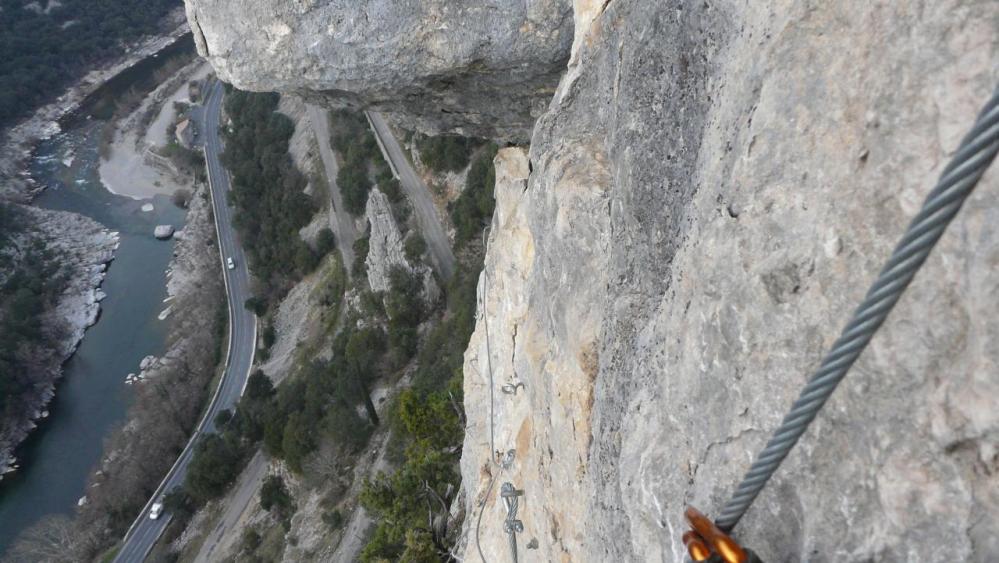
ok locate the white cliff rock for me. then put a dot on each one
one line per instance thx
(147, 362)
(385, 250)
(163, 232)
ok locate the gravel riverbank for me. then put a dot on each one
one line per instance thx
(19, 141)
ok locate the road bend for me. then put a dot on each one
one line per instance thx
(145, 532)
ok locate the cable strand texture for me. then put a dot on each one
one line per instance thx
(976, 152)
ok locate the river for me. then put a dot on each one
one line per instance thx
(92, 398)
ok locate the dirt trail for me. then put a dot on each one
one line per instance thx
(221, 539)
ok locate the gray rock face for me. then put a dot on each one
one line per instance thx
(707, 197)
(482, 67)
(710, 193)
(386, 250)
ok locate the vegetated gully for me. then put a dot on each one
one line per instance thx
(92, 398)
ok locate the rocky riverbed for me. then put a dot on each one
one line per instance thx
(19, 142)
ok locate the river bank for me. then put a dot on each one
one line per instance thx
(84, 257)
(19, 142)
(87, 226)
(85, 253)
(133, 164)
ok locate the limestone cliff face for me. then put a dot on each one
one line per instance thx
(387, 251)
(485, 68)
(706, 198)
(711, 191)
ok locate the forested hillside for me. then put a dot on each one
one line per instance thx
(47, 44)
(267, 191)
(30, 281)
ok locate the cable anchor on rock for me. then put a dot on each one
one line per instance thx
(512, 526)
(511, 388)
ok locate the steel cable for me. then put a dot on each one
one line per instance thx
(489, 369)
(976, 152)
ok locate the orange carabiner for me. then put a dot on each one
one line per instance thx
(695, 546)
(711, 538)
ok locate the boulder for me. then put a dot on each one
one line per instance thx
(163, 232)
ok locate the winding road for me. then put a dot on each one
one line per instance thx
(144, 533)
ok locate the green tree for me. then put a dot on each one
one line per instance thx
(342, 424)
(251, 540)
(41, 54)
(333, 519)
(356, 144)
(305, 260)
(32, 280)
(432, 418)
(391, 187)
(214, 466)
(446, 153)
(475, 205)
(404, 306)
(256, 305)
(274, 422)
(325, 242)
(297, 441)
(222, 418)
(269, 335)
(419, 548)
(404, 301)
(362, 350)
(274, 496)
(415, 247)
(179, 503)
(398, 501)
(271, 206)
(354, 186)
(361, 246)
(259, 386)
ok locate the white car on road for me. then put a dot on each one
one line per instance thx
(229, 263)
(156, 510)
